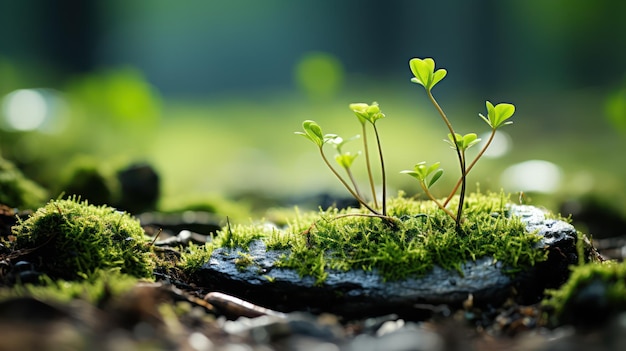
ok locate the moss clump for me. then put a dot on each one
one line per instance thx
(71, 240)
(96, 288)
(92, 181)
(423, 236)
(194, 257)
(593, 292)
(18, 191)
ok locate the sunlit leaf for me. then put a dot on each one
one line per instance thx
(435, 177)
(411, 173)
(470, 140)
(345, 160)
(456, 141)
(497, 115)
(502, 113)
(366, 112)
(438, 76)
(424, 72)
(421, 71)
(432, 168)
(313, 132)
(360, 110)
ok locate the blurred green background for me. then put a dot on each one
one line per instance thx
(210, 92)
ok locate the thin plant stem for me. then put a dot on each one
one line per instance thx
(458, 153)
(459, 210)
(353, 181)
(439, 204)
(469, 168)
(345, 184)
(382, 168)
(369, 166)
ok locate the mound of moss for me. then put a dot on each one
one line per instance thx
(593, 293)
(72, 240)
(17, 190)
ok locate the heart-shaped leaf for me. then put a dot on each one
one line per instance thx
(497, 115)
(424, 72)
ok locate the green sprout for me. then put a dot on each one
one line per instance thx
(427, 175)
(371, 113)
(313, 132)
(425, 75)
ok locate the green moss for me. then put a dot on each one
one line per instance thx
(194, 257)
(243, 261)
(424, 237)
(18, 191)
(612, 275)
(239, 235)
(91, 180)
(71, 240)
(94, 289)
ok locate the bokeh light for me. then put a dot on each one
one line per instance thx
(500, 145)
(33, 109)
(319, 75)
(532, 176)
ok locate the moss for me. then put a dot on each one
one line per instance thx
(243, 261)
(91, 180)
(94, 289)
(568, 303)
(71, 240)
(194, 257)
(239, 235)
(18, 191)
(425, 236)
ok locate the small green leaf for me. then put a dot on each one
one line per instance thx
(456, 141)
(333, 139)
(439, 75)
(463, 142)
(313, 132)
(435, 178)
(503, 112)
(338, 142)
(432, 168)
(360, 110)
(470, 140)
(497, 115)
(345, 160)
(424, 72)
(366, 112)
(411, 173)
(421, 172)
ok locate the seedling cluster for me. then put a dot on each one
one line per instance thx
(426, 174)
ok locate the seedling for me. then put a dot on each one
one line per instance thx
(425, 75)
(313, 132)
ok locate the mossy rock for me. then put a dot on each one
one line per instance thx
(350, 264)
(594, 293)
(18, 191)
(72, 240)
